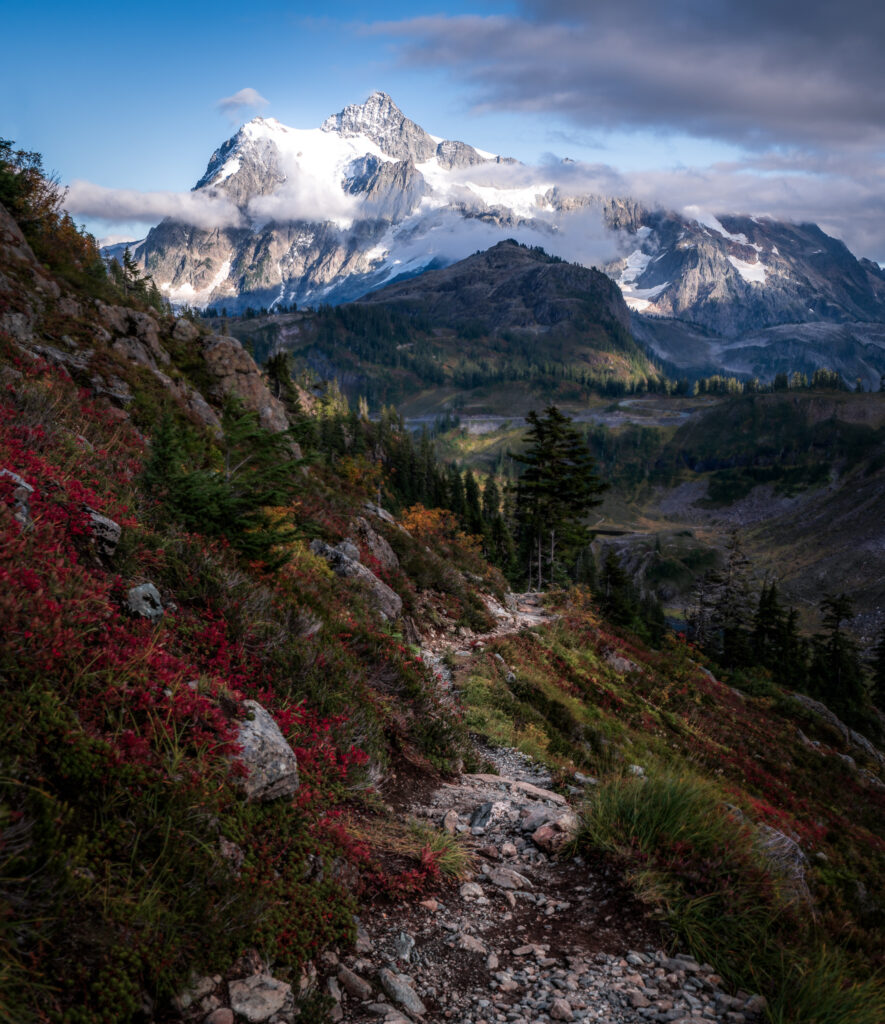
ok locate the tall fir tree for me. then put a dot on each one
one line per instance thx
(836, 672)
(558, 487)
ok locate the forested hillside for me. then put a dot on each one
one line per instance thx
(510, 321)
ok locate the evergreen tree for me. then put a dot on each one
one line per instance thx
(616, 598)
(775, 641)
(699, 616)
(257, 473)
(491, 501)
(585, 568)
(473, 507)
(835, 673)
(456, 499)
(732, 609)
(557, 488)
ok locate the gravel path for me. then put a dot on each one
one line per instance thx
(531, 936)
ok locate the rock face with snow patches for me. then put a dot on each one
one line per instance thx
(736, 274)
(331, 213)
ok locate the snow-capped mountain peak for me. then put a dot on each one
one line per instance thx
(381, 120)
(329, 213)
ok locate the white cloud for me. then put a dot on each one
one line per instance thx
(116, 239)
(844, 200)
(245, 99)
(200, 209)
(799, 87)
(306, 194)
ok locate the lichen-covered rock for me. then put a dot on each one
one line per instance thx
(105, 532)
(855, 740)
(197, 988)
(185, 330)
(347, 547)
(400, 991)
(387, 601)
(353, 984)
(144, 600)
(135, 335)
(381, 513)
(270, 761)
(24, 284)
(786, 856)
(21, 497)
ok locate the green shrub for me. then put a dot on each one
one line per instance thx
(699, 862)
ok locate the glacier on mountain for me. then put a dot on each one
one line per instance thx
(327, 214)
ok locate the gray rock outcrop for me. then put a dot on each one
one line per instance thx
(144, 600)
(388, 603)
(376, 545)
(271, 762)
(234, 373)
(391, 190)
(852, 739)
(457, 154)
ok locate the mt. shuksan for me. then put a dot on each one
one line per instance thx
(328, 214)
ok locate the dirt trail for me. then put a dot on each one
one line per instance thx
(531, 936)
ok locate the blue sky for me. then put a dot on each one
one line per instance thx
(760, 107)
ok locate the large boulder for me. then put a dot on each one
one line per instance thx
(388, 603)
(375, 544)
(270, 761)
(234, 373)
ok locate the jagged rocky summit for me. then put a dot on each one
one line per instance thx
(331, 213)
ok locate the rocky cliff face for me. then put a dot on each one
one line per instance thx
(737, 274)
(381, 120)
(112, 350)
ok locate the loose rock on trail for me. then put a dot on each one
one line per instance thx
(531, 936)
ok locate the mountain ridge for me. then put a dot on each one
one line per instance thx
(327, 215)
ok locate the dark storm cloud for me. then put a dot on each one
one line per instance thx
(756, 73)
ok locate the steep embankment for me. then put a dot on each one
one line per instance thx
(196, 681)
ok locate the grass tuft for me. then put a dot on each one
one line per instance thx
(688, 854)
